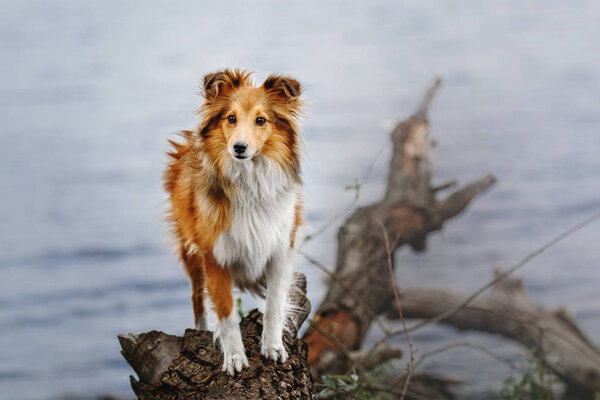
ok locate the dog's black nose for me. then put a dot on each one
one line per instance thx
(240, 146)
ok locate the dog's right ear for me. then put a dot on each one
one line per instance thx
(224, 81)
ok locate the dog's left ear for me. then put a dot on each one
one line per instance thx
(224, 81)
(283, 87)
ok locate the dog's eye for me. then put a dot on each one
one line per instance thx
(231, 119)
(260, 121)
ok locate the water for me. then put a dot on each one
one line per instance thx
(91, 90)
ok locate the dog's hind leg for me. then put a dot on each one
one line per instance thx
(195, 269)
(279, 279)
(228, 333)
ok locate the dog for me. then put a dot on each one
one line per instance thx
(235, 200)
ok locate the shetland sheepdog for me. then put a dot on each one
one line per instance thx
(235, 203)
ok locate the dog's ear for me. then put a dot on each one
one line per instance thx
(283, 87)
(224, 81)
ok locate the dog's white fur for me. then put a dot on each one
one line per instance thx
(257, 247)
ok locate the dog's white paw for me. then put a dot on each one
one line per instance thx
(234, 362)
(230, 339)
(274, 351)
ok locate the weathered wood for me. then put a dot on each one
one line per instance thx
(507, 310)
(189, 367)
(409, 211)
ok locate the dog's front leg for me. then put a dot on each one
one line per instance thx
(279, 277)
(218, 283)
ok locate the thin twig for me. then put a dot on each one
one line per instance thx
(444, 186)
(331, 337)
(392, 390)
(330, 222)
(399, 307)
(547, 330)
(354, 202)
(584, 351)
(450, 312)
(474, 346)
(359, 300)
(335, 390)
(503, 275)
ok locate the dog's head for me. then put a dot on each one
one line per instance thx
(241, 121)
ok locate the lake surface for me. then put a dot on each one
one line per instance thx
(92, 90)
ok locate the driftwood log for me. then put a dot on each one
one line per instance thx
(407, 213)
(507, 310)
(189, 367)
(362, 286)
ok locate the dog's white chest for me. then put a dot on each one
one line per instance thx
(259, 228)
(257, 231)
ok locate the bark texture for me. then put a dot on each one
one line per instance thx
(189, 367)
(409, 211)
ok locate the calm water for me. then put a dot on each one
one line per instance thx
(91, 90)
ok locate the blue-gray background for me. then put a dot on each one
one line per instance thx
(91, 90)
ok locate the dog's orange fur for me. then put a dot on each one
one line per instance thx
(199, 190)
